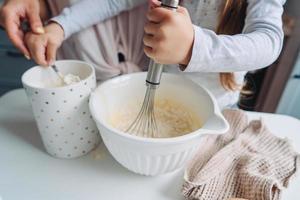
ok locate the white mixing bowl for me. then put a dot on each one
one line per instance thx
(153, 156)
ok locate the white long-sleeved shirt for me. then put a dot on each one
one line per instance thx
(258, 46)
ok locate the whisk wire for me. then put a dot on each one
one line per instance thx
(145, 123)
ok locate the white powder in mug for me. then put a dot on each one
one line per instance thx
(173, 118)
(70, 79)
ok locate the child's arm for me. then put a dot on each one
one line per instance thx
(79, 16)
(43, 47)
(86, 13)
(258, 46)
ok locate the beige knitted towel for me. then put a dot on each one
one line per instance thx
(247, 162)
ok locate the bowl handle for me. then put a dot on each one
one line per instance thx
(216, 124)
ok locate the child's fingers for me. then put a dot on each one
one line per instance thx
(158, 14)
(38, 51)
(51, 53)
(154, 3)
(182, 10)
(149, 41)
(151, 28)
(150, 52)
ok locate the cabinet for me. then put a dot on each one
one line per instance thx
(12, 65)
(268, 85)
(290, 101)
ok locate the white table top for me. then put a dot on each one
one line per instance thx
(28, 173)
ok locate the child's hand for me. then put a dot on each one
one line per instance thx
(169, 36)
(43, 47)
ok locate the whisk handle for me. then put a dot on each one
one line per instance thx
(170, 4)
(155, 69)
(154, 74)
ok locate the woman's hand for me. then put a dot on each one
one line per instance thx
(169, 35)
(13, 12)
(43, 47)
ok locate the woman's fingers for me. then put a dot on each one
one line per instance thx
(11, 23)
(51, 53)
(35, 21)
(17, 38)
(12, 13)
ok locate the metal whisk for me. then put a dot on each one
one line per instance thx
(145, 124)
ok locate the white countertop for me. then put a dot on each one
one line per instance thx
(28, 173)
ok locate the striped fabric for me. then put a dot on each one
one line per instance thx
(102, 43)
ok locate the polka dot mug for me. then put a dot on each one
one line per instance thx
(62, 113)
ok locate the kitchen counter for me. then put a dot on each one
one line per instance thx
(27, 172)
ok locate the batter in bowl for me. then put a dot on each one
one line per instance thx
(173, 118)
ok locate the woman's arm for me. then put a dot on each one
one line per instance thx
(86, 13)
(258, 46)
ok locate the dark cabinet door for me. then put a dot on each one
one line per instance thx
(290, 100)
(12, 65)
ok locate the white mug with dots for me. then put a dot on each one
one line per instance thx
(62, 112)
